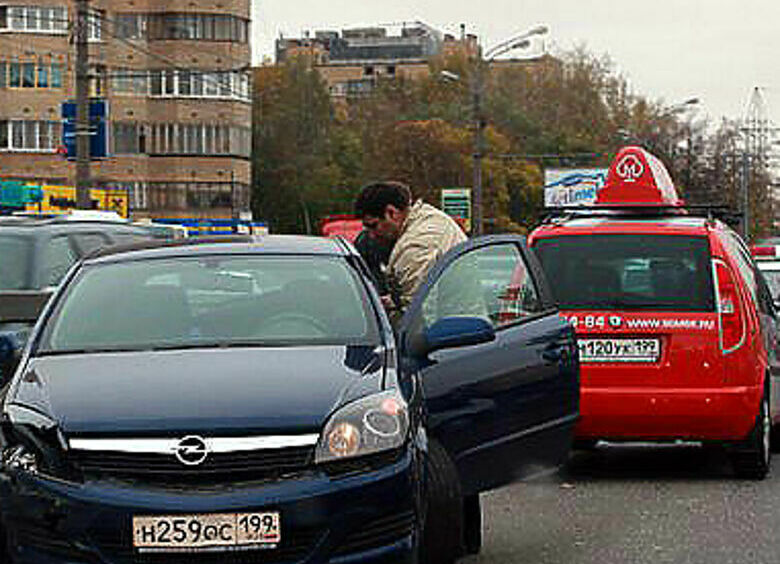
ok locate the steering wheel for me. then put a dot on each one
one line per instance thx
(291, 323)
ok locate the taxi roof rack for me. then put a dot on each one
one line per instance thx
(709, 211)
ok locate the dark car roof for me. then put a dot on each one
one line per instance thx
(223, 245)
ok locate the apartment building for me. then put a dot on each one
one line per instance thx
(176, 78)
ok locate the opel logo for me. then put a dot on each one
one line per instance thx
(630, 168)
(191, 450)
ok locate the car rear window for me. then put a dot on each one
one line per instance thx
(15, 264)
(652, 272)
(215, 301)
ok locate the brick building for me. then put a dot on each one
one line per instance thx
(175, 74)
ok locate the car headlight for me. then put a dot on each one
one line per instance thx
(370, 425)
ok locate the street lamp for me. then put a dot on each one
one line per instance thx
(520, 41)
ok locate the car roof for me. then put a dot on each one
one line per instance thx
(222, 245)
(581, 223)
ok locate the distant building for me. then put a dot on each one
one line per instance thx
(353, 60)
(175, 77)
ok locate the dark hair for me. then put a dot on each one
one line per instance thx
(375, 197)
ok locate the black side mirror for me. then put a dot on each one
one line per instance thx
(451, 332)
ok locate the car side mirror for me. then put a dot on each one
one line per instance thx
(451, 332)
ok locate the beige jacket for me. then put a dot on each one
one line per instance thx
(426, 235)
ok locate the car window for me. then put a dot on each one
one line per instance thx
(58, 257)
(15, 252)
(491, 282)
(744, 264)
(772, 278)
(213, 301)
(621, 271)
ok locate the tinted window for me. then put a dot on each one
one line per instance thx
(214, 301)
(15, 268)
(629, 272)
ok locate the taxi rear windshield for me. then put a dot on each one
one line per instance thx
(647, 272)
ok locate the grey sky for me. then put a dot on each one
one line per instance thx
(717, 50)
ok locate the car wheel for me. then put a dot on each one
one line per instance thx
(472, 524)
(752, 458)
(443, 526)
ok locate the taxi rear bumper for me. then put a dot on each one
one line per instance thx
(700, 414)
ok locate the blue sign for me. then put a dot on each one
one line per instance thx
(98, 129)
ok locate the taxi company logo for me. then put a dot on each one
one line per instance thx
(630, 168)
(191, 450)
(615, 321)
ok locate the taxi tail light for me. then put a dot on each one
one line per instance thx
(731, 315)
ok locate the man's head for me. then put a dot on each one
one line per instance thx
(383, 207)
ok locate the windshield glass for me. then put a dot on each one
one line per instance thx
(772, 278)
(629, 272)
(15, 262)
(212, 301)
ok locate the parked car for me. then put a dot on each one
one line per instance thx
(673, 321)
(251, 394)
(767, 257)
(36, 253)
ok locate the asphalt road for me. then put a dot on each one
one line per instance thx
(635, 505)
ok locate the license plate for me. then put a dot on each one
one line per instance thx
(619, 350)
(216, 531)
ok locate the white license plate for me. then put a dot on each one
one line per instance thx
(619, 350)
(216, 531)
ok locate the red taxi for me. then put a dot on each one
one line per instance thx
(670, 316)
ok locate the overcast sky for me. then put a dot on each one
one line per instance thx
(716, 50)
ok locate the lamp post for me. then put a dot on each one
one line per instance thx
(520, 41)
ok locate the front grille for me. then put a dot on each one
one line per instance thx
(296, 545)
(378, 533)
(250, 465)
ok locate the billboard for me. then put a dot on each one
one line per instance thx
(565, 187)
(58, 199)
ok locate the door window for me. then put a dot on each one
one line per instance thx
(59, 257)
(491, 282)
(89, 242)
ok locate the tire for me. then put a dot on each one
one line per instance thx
(752, 458)
(587, 445)
(443, 527)
(472, 524)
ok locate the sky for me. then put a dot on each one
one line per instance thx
(669, 50)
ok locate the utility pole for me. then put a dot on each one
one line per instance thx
(479, 126)
(82, 129)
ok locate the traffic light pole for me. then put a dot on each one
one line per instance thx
(82, 129)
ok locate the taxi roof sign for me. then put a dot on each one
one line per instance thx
(638, 178)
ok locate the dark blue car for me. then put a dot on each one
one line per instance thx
(248, 401)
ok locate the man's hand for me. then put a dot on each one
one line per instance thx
(387, 302)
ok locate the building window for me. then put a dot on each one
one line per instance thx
(199, 84)
(38, 72)
(34, 19)
(29, 135)
(131, 26)
(204, 27)
(95, 25)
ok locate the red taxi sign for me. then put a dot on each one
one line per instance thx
(638, 178)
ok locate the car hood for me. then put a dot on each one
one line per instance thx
(236, 391)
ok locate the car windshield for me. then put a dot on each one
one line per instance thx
(772, 278)
(15, 251)
(629, 272)
(216, 301)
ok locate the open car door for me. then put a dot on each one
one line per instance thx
(498, 365)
